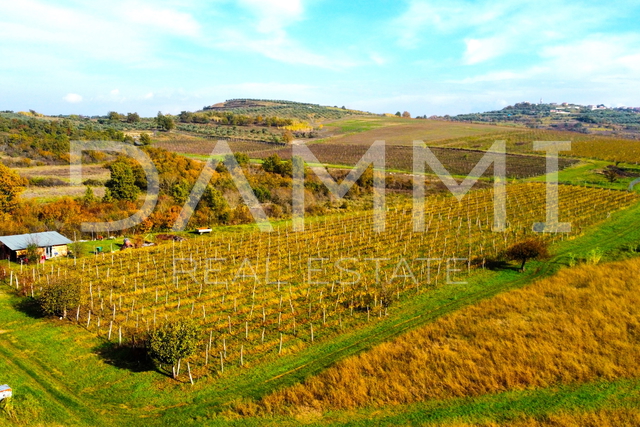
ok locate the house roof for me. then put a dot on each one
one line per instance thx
(21, 241)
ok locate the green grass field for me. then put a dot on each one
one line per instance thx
(589, 172)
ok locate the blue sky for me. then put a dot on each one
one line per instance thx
(427, 57)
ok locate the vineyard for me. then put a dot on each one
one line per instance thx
(456, 161)
(582, 145)
(231, 132)
(259, 296)
(201, 147)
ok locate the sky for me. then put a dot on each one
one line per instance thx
(423, 56)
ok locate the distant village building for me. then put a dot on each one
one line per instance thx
(51, 244)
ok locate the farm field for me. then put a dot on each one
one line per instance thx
(204, 147)
(256, 297)
(398, 131)
(302, 314)
(459, 146)
(43, 194)
(575, 327)
(52, 182)
(109, 385)
(400, 158)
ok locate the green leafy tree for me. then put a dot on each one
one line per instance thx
(275, 164)
(122, 185)
(89, 197)
(214, 199)
(145, 139)
(172, 342)
(272, 163)
(165, 123)
(186, 117)
(114, 116)
(58, 297)
(180, 192)
(32, 253)
(525, 250)
(399, 114)
(241, 158)
(133, 118)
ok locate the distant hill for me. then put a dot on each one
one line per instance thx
(587, 119)
(280, 108)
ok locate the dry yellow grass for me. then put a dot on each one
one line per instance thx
(580, 325)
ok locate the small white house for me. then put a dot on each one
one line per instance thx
(5, 392)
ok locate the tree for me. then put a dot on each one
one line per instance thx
(241, 158)
(114, 116)
(398, 114)
(172, 342)
(133, 117)
(180, 191)
(288, 137)
(611, 175)
(214, 200)
(145, 139)
(165, 123)
(89, 197)
(274, 164)
(32, 253)
(122, 185)
(366, 179)
(406, 115)
(525, 250)
(186, 117)
(11, 185)
(57, 297)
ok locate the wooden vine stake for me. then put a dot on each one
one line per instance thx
(189, 370)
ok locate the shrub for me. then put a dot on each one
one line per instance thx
(173, 342)
(528, 249)
(57, 297)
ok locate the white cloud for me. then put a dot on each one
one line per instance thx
(597, 57)
(274, 15)
(596, 69)
(72, 98)
(494, 29)
(179, 23)
(115, 92)
(283, 49)
(267, 35)
(112, 31)
(480, 50)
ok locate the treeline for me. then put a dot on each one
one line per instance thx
(47, 141)
(525, 111)
(220, 205)
(229, 118)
